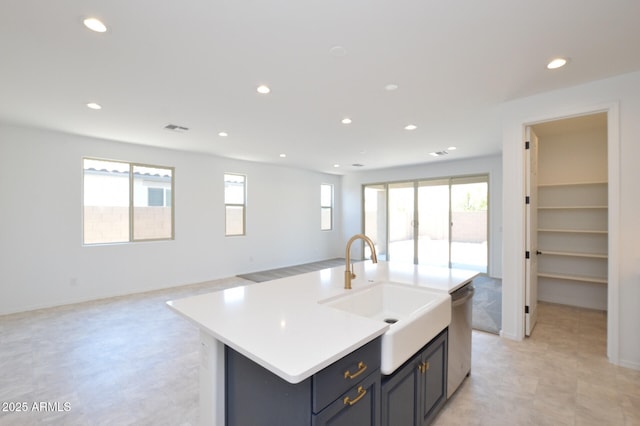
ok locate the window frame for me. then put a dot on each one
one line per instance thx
(131, 206)
(242, 205)
(324, 207)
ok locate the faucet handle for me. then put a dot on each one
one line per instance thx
(353, 274)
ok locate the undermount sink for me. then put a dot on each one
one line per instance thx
(416, 315)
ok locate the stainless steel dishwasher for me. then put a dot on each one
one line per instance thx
(460, 337)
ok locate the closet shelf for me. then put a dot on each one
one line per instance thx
(571, 277)
(571, 207)
(551, 185)
(572, 231)
(574, 254)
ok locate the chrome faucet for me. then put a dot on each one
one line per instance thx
(348, 273)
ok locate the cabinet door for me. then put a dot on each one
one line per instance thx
(357, 407)
(344, 374)
(399, 400)
(433, 383)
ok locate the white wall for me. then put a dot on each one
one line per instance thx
(573, 156)
(42, 259)
(352, 195)
(621, 97)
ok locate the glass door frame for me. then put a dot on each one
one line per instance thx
(451, 180)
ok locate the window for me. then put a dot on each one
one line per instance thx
(125, 202)
(326, 207)
(234, 204)
(152, 217)
(156, 196)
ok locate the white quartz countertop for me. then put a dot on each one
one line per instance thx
(281, 326)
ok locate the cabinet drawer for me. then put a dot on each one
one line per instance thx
(343, 374)
(359, 406)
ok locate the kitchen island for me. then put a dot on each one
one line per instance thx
(281, 326)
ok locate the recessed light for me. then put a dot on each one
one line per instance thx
(391, 87)
(410, 127)
(556, 63)
(451, 148)
(346, 120)
(94, 24)
(336, 166)
(283, 155)
(263, 89)
(94, 105)
(338, 51)
(223, 134)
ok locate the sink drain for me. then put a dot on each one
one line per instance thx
(390, 320)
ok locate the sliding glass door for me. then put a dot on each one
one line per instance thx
(439, 222)
(401, 223)
(433, 221)
(375, 219)
(469, 224)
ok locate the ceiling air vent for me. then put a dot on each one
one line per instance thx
(176, 128)
(438, 153)
(357, 165)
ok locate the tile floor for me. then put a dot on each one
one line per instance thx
(132, 361)
(558, 376)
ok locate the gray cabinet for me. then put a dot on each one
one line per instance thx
(349, 392)
(345, 393)
(357, 407)
(414, 394)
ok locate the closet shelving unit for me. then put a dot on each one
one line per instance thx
(572, 231)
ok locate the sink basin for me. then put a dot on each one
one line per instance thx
(415, 314)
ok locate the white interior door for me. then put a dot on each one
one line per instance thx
(531, 208)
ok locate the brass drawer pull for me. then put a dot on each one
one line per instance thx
(423, 367)
(361, 393)
(361, 367)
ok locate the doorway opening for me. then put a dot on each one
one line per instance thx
(567, 214)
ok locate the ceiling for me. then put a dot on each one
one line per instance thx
(197, 64)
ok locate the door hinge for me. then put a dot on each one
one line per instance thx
(527, 254)
(526, 145)
(526, 309)
(527, 200)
